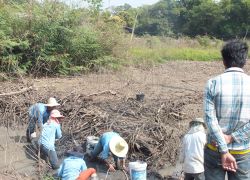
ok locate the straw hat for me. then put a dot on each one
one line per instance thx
(118, 146)
(52, 102)
(56, 114)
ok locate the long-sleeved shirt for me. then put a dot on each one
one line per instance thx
(192, 151)
(39, 112)
(104, 140)
(71, 168)
(51, 131)
(227, 109)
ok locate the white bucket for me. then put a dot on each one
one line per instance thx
(138, 170)
(91, 143)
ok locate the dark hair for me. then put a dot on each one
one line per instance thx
(76, 151)
(234, 53)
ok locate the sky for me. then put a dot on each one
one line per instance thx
(134, 3)
(107, 3)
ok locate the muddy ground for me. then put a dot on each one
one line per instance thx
(175, 85)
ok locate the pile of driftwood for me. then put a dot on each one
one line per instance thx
(153, 128)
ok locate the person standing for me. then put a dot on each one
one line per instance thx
(227, 116)
(38, 115)
(192, 151)
(50, 132)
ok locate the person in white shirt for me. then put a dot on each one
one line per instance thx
(192, 151)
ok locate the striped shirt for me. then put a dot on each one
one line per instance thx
(227, 109)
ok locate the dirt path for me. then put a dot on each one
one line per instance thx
(173, 79)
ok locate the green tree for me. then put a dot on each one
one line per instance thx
(153, 20)
(236, 22)
(95, 6)
(203, 19)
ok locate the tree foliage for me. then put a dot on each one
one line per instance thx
(46, 37)
(49, 37)
(222, 19)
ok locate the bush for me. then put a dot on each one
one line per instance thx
(85, 46)
(206, 41)
(108, 62)
(51, 38)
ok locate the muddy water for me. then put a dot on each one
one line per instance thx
(12, 152)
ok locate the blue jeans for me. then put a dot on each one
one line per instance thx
(51, 155)
(31, 128)
(214, 170)
(196, 176)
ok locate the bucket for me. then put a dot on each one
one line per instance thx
(138, 170)
(91, 143)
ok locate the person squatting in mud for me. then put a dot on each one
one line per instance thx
(50, 132)
(227, 115)
(192, 150)
(114, 143)
(74, 166)
(38, 115)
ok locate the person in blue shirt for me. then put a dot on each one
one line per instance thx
(38, 115)
(73, 165)
(111, 142)
(50, 132)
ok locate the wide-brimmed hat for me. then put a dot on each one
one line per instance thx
(52, 102)
(56, 114)
(118, 146)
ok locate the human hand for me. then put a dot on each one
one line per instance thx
(228, 138)
(214, 143)
(125, 168)
(111, 168)
(228, 162)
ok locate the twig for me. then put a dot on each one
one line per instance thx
(102, 92)
(107, 174)
(17, 92)
(125, 174)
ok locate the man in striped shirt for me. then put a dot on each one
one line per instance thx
(227, 115)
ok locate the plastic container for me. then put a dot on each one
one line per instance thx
(138, 170)
(91, 143)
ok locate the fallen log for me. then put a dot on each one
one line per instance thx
(16, 92)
